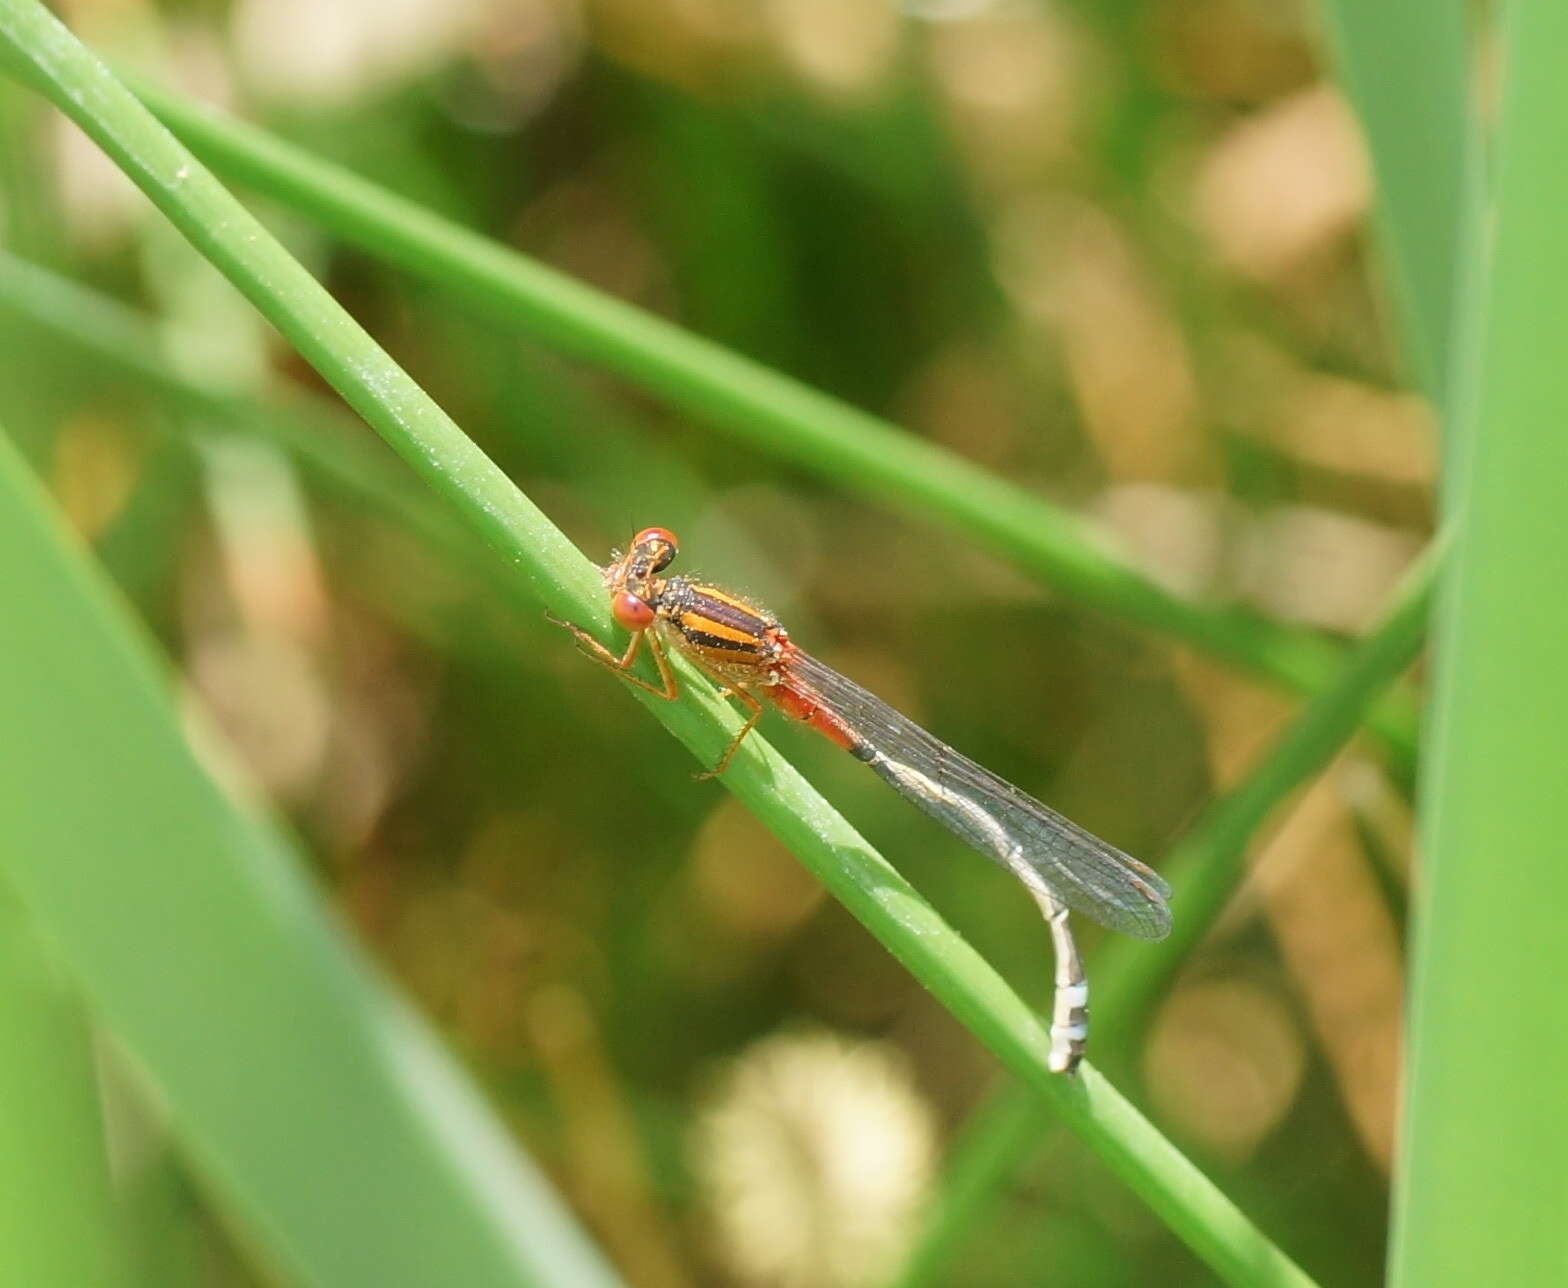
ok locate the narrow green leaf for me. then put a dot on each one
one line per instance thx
(1480, 1196)
(1405, 67)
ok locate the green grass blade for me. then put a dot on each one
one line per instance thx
(767, 410)
(1195, 1210)
(1405, 68)
(327, 1113)
(57, 1222)
(1479, 1193)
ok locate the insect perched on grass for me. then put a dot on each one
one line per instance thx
(750, 654)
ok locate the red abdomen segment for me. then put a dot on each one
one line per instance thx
(801, 706)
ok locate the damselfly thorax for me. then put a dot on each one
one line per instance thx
(730, 636)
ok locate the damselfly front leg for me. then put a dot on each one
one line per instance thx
(669, 688)
(622, 663)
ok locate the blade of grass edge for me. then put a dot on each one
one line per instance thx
(55, 63)
(57, 1219)
(1404, 66)
(1478, 1183)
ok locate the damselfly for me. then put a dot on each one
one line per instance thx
(746, 649)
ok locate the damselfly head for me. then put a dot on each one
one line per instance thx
(633, 578)
(657, 545)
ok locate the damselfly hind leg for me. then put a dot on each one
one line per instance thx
(754, 708)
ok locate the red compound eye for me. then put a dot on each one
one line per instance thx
(654, 534)
(630, 612)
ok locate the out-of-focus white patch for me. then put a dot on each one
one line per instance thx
(264, 537)
(327, 51)
(948, 10)
(97, 201)
(814, 1154)
(1283, 183)
(1017, 85)
(265, 692)
(1176, 536)
(1338, 939)
(1073, 268)
(1224, 1063)
(1328, 421)
(1322, 567)
(253, 655)
(843, 47)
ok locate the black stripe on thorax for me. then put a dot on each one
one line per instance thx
(726, 612)
(701, 639)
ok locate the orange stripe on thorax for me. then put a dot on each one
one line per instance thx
(696, 621)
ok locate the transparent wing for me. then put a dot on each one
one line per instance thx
(1042, 848)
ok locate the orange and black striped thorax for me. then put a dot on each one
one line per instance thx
(721, 629)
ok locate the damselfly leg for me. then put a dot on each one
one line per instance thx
(669, 688)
